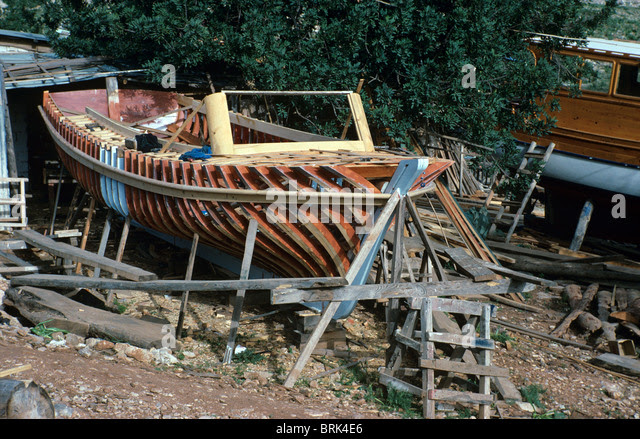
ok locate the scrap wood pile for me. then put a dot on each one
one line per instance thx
(601, 285)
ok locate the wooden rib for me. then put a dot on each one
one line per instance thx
(274, 231)
(293, 230)
(320, 231)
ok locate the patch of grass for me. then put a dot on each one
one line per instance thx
(42, 330)
(532, 393)
(501, 336)
(393, 401)
(552, 414)
(464, 413)
(248, 356)
(120, 307)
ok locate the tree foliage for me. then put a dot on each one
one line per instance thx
(410, 53)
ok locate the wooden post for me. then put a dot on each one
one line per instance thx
(104, 239)
(55, 205)
(219, 124)
(581, 229)
(12, 167)
(239, 299)
(348, 122)
(72, 207)
(427, 353)
(485, 360)
(113, 98)
(85, 232)
(188, 275)
(393, 307)
(120, 251)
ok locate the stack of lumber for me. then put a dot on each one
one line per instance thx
(458, 176)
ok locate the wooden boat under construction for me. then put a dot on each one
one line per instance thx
(215, 170)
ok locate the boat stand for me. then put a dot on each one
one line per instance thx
(239, 299)
(187, 277)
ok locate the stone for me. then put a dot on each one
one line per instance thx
(163, 356)
(62, 410)
(85, 351)
(103, 345)
(613, 391)
(525, 406)
(142, 355)
(73, 340)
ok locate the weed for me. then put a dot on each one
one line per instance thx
(551, 414)
(532, 393)
(120, 306)
(248, 356)
(42, 330)
(501, 336)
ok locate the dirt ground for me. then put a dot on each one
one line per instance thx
(103, 383)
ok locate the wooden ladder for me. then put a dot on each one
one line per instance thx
(464, 353)
(468, 340)
(524, 169)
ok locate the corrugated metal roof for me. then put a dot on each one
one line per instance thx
(24, 68)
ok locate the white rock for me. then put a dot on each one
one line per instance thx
(525, 406)
(163, 356)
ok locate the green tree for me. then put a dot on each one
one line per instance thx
(410, 53)
(23, 16)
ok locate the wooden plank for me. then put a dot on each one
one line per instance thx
(469, 265)
(518, 275)
(161, 286)
(465, 368)
(68, 251)
(407, 341)
(463, 397)
(617, 363)
(14, 370)
(458, 306)
(398, 290)
(461, 340)
(327, 315)
(398, 384)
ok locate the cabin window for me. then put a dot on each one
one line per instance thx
(596, 75)
(628, 80)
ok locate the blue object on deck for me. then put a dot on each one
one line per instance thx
(403, 179)
(197, 154)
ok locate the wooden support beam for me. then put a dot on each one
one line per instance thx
(120, 252)
(581, 228)
(103, 240)
(85, 232)
(252, 230)
(70, 252)
(469, 265)
(57, 200)
(187, 277)
(163, 286)
(418, 290)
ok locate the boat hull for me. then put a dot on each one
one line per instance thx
(302, 230)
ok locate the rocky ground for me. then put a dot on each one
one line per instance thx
(101, 379)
